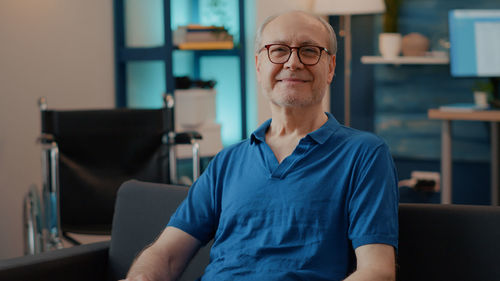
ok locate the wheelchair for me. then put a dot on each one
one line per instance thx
(86, 156)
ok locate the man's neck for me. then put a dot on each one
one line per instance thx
(295, 121)
(289, 125)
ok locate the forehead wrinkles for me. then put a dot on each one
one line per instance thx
(296, 29)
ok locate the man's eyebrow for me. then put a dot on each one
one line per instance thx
(279, 42)
(310, 43)
(303, 43)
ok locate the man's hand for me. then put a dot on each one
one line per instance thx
(374, 262)
(166, 258)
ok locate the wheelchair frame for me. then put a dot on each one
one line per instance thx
(42, 218)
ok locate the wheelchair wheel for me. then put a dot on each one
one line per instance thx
(32, 223)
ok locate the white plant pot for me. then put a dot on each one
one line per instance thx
(481, 99)
(389, 45)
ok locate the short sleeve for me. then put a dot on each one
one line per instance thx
(373, 201)
(196, 215)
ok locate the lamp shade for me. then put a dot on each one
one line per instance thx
(348, 7)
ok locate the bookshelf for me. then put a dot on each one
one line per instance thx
(164, 53)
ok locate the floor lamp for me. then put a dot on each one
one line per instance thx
(346, 8)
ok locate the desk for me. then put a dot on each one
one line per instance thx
(492, 116)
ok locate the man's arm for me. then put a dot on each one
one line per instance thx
(166, 258)
(374, 262)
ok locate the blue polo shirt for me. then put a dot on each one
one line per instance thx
(295, 220)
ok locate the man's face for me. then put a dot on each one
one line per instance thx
(294, 84)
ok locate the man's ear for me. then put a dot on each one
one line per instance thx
(257, 67)
(331, 68)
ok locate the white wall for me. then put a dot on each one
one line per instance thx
(61, 49)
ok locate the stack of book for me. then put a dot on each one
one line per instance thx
(200, 37)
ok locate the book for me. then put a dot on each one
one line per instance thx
(190, 27)
(215, 45)
(461, 107)
(207, 36)
(199, 33)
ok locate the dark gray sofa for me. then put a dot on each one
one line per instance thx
(142, 210)
(437, 242)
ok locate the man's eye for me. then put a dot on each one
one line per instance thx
(309, 51)
(278, 50)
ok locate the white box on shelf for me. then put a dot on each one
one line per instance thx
(193, 107)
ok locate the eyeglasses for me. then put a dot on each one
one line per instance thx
(281, 53)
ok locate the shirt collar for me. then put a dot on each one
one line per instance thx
(324, 132)
(319, 136)
(259, 135)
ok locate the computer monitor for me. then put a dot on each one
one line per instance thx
(475, 43)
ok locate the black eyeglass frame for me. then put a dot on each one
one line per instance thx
(321, 49)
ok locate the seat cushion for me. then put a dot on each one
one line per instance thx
(448, 242)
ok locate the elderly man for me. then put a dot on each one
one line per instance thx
(302, 196)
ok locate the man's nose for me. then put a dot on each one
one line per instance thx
(294, 60)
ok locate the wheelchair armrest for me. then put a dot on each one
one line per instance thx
(46, 138)
(85, 262)
(187, 137)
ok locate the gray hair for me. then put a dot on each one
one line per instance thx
(332, 39)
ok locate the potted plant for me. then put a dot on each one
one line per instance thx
(483, 94)
(390, 39)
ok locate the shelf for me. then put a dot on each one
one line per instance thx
(158, 53)
(479, 115)
(405, 60)
(141, 53)
(231, 52)
(164, 53)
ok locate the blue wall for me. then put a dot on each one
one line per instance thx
(395, 100)
(404, 93)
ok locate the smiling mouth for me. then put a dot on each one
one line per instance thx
(292, 80)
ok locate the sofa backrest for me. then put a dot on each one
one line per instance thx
(142, 211)
(437, 242)
(448, 242)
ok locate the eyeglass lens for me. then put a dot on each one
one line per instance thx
(281, 53)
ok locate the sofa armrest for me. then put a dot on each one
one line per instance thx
(85, 262)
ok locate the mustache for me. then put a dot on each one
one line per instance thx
(283, 76)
